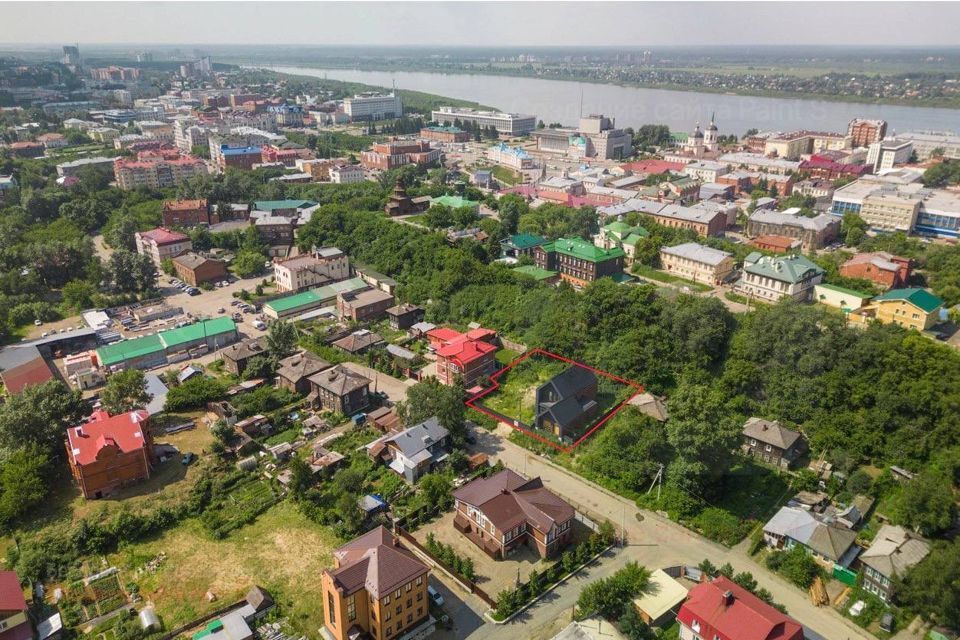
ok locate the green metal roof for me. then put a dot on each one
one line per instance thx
(448, 129)
(535, 272)
(790, 269)
(286, 303)
(197, 331)
(455, 202)
(117, 352)
(525, 240)
(580, 248)
(849, 292)
(271, 205)
(331, 290)
(920, 298)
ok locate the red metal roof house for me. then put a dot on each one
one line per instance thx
(109, 452)
(468, 355)
(722, 610)
(13, 609)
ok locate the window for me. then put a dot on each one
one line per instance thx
(389, 631)
(397, 594)
(408, 587)
(768, 448)
(409, 602)
(331, 614)
(399, 608)
(419, 611)
(419, 596)
(351, 608)
(753, 442)
(419, 580)
(386, 600)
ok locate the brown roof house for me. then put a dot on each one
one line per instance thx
(771, 442)
(893, 552)
(294, 371)
(358, 341)
(376, 589)
(566, 402)
(502, 511)
(340, 389)
(236, 356)
(195, 269)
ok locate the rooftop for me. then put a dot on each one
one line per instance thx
(698, 253)
(580, 248)
(920, 298)
(122, 431)
(791, 269)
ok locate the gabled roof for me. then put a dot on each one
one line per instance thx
(770, 432)
(32, 372)
(571, 380)
(920, 298)
(377, 562)
(417, 439)
(123, 431)
(737, 616)
(11, 593)
(162, 236)
(793, 522)
(580, 248)
(525, 240)
(790, 269)
(894, 551)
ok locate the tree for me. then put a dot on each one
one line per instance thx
(263, 366)
(512, 207)
(39, 415)
(120, 233)
(608, 596)
(431, 398)
(78, 294)
(125, 391)
(281, 338)
(248, 263)
(926, 503)
(22, 483)
(131, 272)
(301, 476)
(436, 488)
(931, 586)
(632, 625)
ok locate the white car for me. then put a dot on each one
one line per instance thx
(259, 324)
(37, 322)
(435, 596)
(857, 608)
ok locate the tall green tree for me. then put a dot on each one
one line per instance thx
(125, 391)
(281, 338)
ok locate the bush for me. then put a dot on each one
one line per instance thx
(720, 525)
(796, 565)
(195, 393)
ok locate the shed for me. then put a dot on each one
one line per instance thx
(662, 598)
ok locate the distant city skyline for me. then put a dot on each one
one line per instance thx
(490, 24)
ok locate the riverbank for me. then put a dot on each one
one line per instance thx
(943, 103)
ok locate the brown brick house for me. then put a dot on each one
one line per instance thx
(880, 267)
(377, 589)
(194, 269)
(360, 306)
(772, 442)
(505, 510)
(109, 452)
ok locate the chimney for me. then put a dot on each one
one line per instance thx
(728, 598)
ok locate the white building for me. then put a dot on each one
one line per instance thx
(888, 153)
(323, 266)
(926, 142)
(513, 157)
(511, 124)
(346, 174)
(775, 277)
(370, 106)
(705, 170)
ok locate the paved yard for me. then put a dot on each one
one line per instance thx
(492, 575)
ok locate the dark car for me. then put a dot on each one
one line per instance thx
(187, 458)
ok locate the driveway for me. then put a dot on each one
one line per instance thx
(395, 389)
(651, 541)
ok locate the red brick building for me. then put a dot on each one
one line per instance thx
(470, 355)
(187, 213)
(777, 244)
(360, 306)
(445, 134)
(723, 610)
(883, 268)
(863, 133)
(109, 452)
(822, 167)
(194, 269)
(390, 155)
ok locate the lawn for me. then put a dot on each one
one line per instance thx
(662, 276)
(282, 551)
(517, 393)
(505, 175)
(506, 356)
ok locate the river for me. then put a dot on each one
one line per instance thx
(559, 101)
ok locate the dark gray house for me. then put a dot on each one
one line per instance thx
(567, 401)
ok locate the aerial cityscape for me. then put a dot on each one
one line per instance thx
(479, 320)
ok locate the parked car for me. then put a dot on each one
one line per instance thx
(187, 458)
(193, 292)
(857, 608)
(259, 324)
(37, 322)
(435, 596)
(221, 310)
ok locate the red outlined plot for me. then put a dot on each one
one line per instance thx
(475, 401)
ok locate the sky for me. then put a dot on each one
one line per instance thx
(482, 23)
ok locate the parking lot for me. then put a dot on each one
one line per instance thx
(208, 303)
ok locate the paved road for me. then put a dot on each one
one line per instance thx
(395, 389)
(652, 541)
